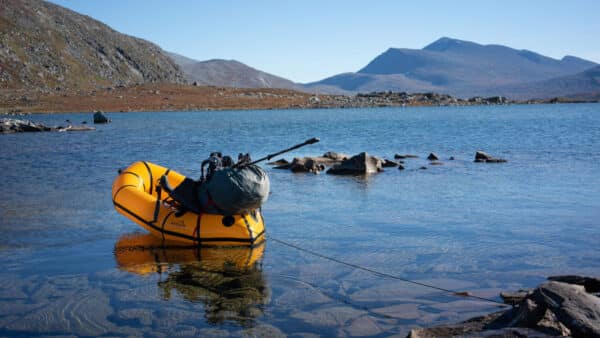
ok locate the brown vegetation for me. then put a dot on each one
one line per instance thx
(154, 97)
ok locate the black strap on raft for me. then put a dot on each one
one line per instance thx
(158, 201)
(268, 157)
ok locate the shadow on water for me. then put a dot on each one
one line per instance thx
(228, 280)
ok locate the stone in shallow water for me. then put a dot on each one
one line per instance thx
(298, 297)
(363, 327)
(389, 292)
(143, 316)
(401, 311)
(212, 332)
(262, 330)
(329, 317)
(84, 315)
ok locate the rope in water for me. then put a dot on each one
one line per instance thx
(383, 274)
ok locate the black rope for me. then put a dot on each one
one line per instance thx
(383, 274)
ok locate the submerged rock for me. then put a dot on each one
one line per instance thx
(359, 164)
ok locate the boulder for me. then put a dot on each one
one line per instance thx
(433, 157)
(578, 310)
(335, 156)
(591, 284)
(436, 163)
(306, 165)
(552, 309)
(400, 167)
(100, 117)
(514, 298)
(481, 156)
(359, 164)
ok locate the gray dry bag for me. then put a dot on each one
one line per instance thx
(231, 191)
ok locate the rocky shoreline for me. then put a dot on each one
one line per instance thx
(10, 126)
(565, 306)
(172, 97)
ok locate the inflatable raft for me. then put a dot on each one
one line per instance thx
(137, 195)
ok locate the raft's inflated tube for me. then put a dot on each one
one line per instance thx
(136, 195)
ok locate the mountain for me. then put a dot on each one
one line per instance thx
(455, 67)
(583, 86)
(44, 46)
(229, 73)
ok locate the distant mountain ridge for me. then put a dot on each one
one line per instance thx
(456, 67)
(229, 73)
(45, 46)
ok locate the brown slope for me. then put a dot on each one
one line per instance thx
(44, 47)
(229, 73)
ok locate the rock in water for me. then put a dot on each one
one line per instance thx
(388, 163)
(591, 284)
(100, 117)
(481, 156)
(335, 156)
(279, 162)
(576, 309)
(433, 157)
(359, 164)
(19, 126)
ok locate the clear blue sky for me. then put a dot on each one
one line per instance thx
(309, 40)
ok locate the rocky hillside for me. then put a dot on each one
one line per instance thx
(459, 68)
(229, 73)
(47, 47)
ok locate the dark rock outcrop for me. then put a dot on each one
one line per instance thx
(100, 118)
(552, 309)
(433, 157)
(360, 164)
(482, 157)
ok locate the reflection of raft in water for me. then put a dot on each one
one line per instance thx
(144, 254)
(136, 195)
(228, 281)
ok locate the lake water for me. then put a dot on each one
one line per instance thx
(71, 265)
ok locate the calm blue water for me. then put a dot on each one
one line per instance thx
(465, 226)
